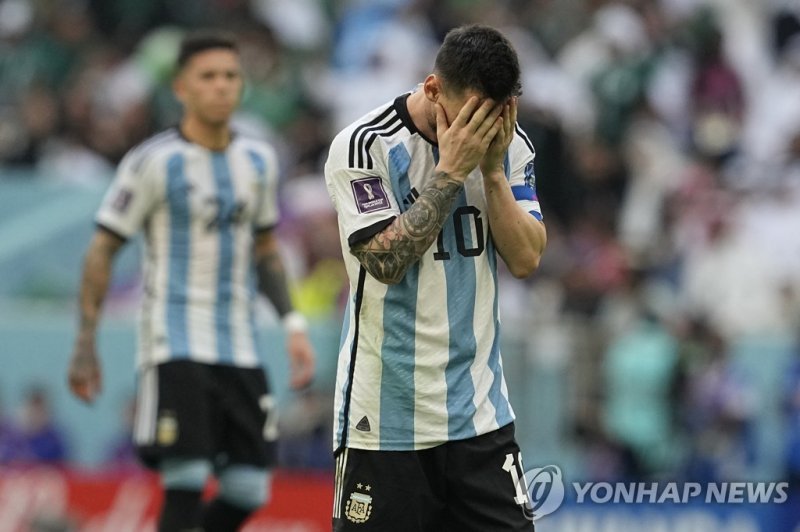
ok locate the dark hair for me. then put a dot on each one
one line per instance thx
(480, 58)
(200, 42)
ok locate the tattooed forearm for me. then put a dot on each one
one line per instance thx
(97, 268)
(272, 281)
(388, 255)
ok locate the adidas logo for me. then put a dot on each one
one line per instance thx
(363, 425)
(411, 197)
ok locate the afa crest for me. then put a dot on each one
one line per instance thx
(359, 507)
(167, 429)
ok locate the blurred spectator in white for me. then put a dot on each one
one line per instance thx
(299, 24)
(616, 31)
(383, 49)
(655, 160)
(16, 16)
(546, 86)
(773, 116)
(730, 284)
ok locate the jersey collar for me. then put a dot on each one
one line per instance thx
(401, 106)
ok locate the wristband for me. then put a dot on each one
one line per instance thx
(294, 322)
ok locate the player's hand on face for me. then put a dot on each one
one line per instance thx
(301, 360)
(495, 155)
(84, 374)
(463, 143)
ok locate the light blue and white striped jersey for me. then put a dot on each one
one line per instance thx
(419, 361)
(198, 209)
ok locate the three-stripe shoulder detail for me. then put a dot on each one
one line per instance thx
(385, 124)
(140, 153)
(524, 137)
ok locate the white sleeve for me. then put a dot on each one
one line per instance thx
(268, 211)
(522, 176)
(131, 196)
(364, 199)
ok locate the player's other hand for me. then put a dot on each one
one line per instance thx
(494, 158)
(84, 374)
(463, 143)
(301, 360)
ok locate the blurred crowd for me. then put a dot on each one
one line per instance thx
(668, 168)
(32, 436)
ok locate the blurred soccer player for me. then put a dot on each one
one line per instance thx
(428, 189)
(205, 198)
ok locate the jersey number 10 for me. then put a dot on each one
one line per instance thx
(461, 230)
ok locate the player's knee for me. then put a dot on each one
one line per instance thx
(244, 486)
(184, 473)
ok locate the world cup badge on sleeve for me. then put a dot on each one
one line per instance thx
(369, 194)
(122, 200)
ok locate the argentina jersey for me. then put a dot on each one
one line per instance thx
(198, 210)
(419, 361)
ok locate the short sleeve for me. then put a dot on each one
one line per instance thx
(522, 175)
(267, 211)
(363, 198)
(130, 198)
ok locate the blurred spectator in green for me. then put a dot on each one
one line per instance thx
(640, 369)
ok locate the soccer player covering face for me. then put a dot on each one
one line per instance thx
(205, 199)
(429, 189)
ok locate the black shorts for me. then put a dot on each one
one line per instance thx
(461, 486)
(187, 409)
